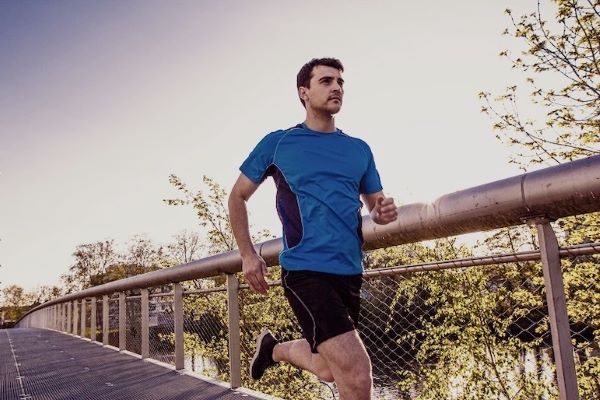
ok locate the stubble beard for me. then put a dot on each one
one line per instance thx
(329, 109)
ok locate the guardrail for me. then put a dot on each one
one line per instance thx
(534, 198)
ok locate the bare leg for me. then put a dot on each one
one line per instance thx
(349, 364)
(297, 353)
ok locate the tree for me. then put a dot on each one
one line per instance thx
(15, 302)
(92, 261)
(142, 256)
(186, 247)
(561, 62)
(44, 293)
(211, 211)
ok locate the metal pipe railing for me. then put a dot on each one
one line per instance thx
(523, 256)
(535, 198)
(555, 192)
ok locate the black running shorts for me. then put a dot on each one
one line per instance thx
(326, 305)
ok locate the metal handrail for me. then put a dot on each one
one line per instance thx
(536, 198)
(555, 192)
(533, 255)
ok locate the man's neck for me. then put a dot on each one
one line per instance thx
(320, 122)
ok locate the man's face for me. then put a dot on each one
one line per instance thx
(326, 90)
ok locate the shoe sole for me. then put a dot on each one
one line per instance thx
(257, 351)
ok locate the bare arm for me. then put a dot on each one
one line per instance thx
(253, 266)
(382, 209)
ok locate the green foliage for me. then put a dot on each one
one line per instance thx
(16, 301)
(92, 261)
(561, 63)
(464, 339)
(211, 211)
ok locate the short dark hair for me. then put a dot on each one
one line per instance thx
(305, 73)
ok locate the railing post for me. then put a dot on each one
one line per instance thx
(93, 319)
(105, 324)
(557, 310)
(68, 319)
(75, 315)
(233, 311)
(63, 317)
(71, 311)
(122, 321)
(145, 325)
(83, 315)
(178, 308)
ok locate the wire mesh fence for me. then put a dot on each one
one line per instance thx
(162, 328)
(75, 318)
(459, 333)
(113, 322)
(581, 277)
(206, 334)
(133, 336)
(99, 324)
(87, 307)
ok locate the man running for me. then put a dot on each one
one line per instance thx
(320, 174)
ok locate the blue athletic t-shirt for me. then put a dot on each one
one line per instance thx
(319, 177)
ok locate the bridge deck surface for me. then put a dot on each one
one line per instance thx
(43, 364)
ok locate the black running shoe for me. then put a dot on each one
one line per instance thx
(263, 356)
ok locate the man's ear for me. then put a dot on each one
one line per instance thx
(302, 93)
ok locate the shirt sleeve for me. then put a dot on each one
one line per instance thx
(256, 165)
(370, 182)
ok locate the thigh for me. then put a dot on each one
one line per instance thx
(346, 354)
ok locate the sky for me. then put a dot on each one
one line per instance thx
(100, 101)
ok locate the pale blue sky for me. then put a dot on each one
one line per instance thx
(101, 101)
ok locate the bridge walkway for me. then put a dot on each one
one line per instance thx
(43, 364)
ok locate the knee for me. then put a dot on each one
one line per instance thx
(359, 377)
(362, 377)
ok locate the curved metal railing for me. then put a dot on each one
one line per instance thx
(535, 198)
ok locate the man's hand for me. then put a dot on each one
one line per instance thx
(384, 211)
(255, 270)
(253, 266)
